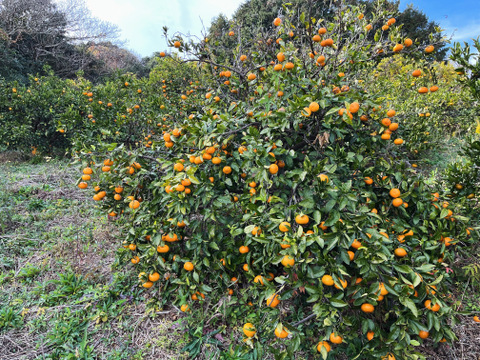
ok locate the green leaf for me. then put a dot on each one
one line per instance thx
(409, 304)
(338, 303)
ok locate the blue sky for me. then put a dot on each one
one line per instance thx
(459, 18)
(141, 21)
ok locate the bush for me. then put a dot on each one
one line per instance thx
(275, 194)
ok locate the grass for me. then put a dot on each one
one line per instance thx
(61, 295)
(64, 296)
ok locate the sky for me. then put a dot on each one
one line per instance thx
(141, 21)
(459, 18)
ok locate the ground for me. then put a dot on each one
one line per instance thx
(62, 295)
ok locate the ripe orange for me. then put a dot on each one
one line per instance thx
(273, 300)
(243, 249)
(185, 308)
(416, 73)
(397, 202)
(354, 107)
(386, 122)
(148, 284)
(398, 48)
(273, 169)
(423, 90)
(476, 319)
(277, 21)
(281, 332)
(288, 261)
(370, 335)
(314, 107)
(323, 178)
(368, 180)
(178, 167)
(400, 252)
(408, 42)
(301, 219)
(398, 141)
(154, 277)
(323, 344)
(163, 249)
(434, 308)
(284, 226)
(429, 49)
(249, 329)
(367, 308)
(258, 279)
(395, 193)
(227, 170)
(134, 204)
(327, 280)
(188, 266)
(336, 339)
(423, 334)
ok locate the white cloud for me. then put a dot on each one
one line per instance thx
(141, 21)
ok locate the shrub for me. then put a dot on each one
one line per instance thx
(274, 200)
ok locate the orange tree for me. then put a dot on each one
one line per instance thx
(427, 118)
(29, 113)
(464, 178)
(277, 195)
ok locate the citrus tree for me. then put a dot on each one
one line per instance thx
(276, 194)
(29, 113)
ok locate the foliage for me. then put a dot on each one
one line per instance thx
(202, 203)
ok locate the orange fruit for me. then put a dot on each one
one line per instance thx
(336, 339)
(188, 266)
(370, 335)
(416, 73)
(356, 244)
(284, 226)
(163, 249)
(423, 334)
(323, 344)
(327, 280)
(429, 306)
(400, 252)
(154, 277)
(354, 107)
(249, 329)
(277, 21)
(367, 308)
(273, 169)
(314, 107)
(301, 219)
(395, 193)
(398, 48)
(429, 49)
(227, 170)
(281, 333)
(273, 300)
(258, 279)
(397, 202)
(288, 261)
(243, 249)
(148, 284)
